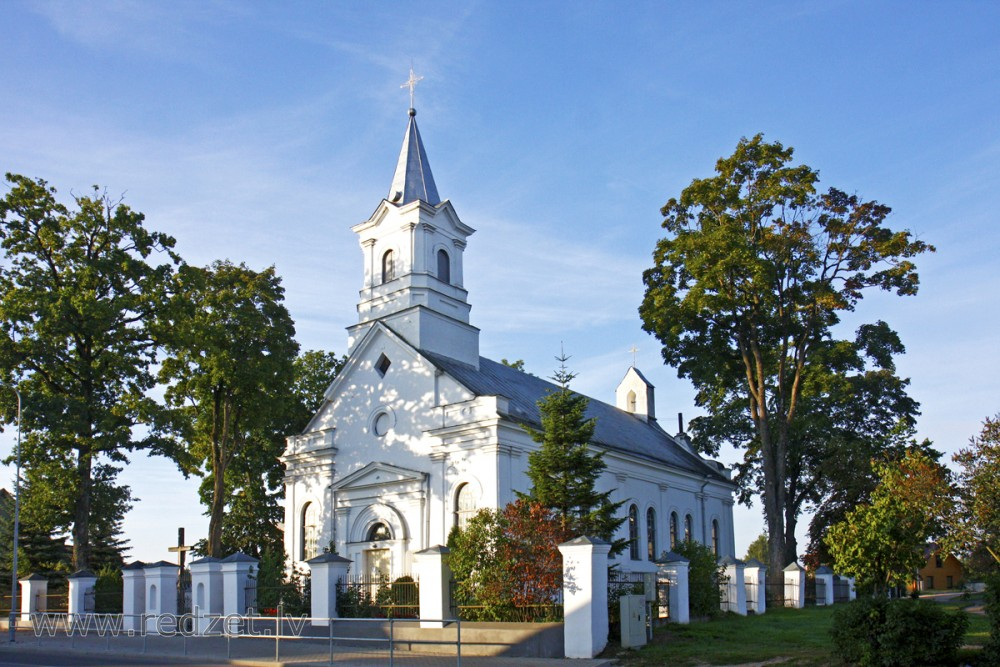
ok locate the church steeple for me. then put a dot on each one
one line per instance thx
(413, 179)
(413, 245)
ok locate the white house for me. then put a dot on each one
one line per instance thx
(418, 431)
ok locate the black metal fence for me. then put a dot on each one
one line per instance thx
(378, 596)
(655, 589)
(841, 589)
(468, 605)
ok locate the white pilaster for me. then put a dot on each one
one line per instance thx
(236, 572)
(736, 590)
(161, 594)
(674, 568)
(825, 575)
(133, 595)
(795, 586)
(81, 583)
(34, 588)
(755, 575)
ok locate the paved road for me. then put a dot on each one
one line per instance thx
(24, 657)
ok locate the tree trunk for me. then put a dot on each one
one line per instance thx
(217, 509)
(81, 515)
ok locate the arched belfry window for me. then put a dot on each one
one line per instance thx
(388, 267)
(631, 402)
(673, 530)
(651, 534)
(310, 531)
(465, 506)
(633, 532)
(444, 267)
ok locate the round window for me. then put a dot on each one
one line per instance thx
(382, 424)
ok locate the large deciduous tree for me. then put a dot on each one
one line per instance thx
(881, 543)
(230, 370)
(80, 292)
(565, 469)
(754, 274)
(977, 523)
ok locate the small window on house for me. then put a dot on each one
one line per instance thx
(937, 561)
(688, 528)
(465, 506)
(651, 534)
(444, 267)
(382, 365)
(310, 531)
(673, 530)
(388, 267)
(633, 532)
(379, 533)
(715, 537)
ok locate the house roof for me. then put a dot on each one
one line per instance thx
(616, 430)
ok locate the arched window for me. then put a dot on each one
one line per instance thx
(465, 506)
(379, 533)
(633, 532)
(444, 267)
(688, 529)
(673, 530)
(388, 268)
(651, 534)
(310, 531)
(715, 537)
(631, 402)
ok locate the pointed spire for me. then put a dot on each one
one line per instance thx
(413, 179)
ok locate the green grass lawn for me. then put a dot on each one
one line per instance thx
(793, 636)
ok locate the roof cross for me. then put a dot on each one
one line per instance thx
(633, 350)
(412, 83)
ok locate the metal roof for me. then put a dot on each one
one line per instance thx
(615, 430)
(413, 179)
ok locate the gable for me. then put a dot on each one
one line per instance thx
(378, 474)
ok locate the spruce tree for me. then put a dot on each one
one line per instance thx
(564, 470)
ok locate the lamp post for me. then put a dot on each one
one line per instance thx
(12, 621)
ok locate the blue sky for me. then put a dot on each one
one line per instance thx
(261, 132)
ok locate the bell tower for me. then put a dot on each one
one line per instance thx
(413, 245)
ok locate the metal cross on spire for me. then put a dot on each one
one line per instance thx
(411, 84)
(633, 350)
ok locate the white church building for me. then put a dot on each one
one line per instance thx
(418, 431)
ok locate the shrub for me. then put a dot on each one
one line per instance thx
(991, 651)
(878, 632)
(704, 578)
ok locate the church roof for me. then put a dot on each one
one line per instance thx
(616, 429)
(413, 179)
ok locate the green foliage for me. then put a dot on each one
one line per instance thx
(277, 586)
(757, 549)
(506, 563)
(991, 651)
(230, 371)
(881, 543)
(744, 293)
(876, 632)
(564, 470)
(704, 578)
(976, 524)
(108, 590)
(79, 302)
(517, 364)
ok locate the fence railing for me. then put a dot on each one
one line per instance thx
(365, 596)
(528, 606)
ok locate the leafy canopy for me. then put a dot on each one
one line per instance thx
(81, 292)
(881, 543)
(754, 272)
(977, 521)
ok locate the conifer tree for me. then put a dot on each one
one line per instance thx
(564, 470)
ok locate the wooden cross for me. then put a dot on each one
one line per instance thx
(412, 83)
(181, 549)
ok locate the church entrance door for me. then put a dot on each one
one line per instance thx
(378, 563)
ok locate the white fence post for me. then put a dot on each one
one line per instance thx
(133, 595)
(434, 575)
(236, 573)
(34, 589)
(80, 583)
(674, 568)
(756, 579)
(585, 596)
(325, 571)
(825, 575)
(795, 586)
(736, 590)
(206, 593)
(161, 594)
